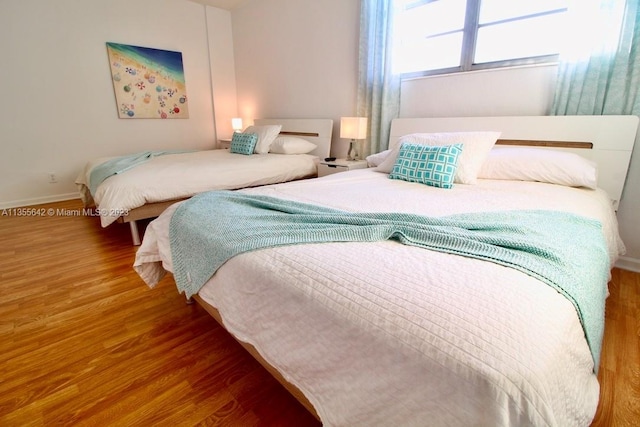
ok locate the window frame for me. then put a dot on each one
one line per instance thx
(469, 40)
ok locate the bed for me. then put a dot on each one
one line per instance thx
(147, 189)
(385, 333)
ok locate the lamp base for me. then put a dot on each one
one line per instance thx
(352, 154)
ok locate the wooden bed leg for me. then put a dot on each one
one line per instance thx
(190, 301)
(135, 236)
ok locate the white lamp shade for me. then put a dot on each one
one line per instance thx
(353, 127)
(236, 123)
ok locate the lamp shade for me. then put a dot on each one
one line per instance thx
(353, 127)
(236, 124)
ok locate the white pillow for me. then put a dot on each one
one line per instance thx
(266, 135)
(374, 160)
(476, 147)
(291, 145)
(542, 165)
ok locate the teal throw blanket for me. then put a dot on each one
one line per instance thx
(565, 251)
(120, 164)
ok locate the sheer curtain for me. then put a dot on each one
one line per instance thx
(378, 86)
(599, 71)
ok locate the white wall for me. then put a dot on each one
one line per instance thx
(518, 91)
(223, 76)
(297, 59)
(629, 213)
(58, 106)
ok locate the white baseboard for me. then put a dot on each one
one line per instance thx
(39, 200)
(631, 264)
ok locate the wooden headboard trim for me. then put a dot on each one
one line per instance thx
(299, 133)
(555, 144)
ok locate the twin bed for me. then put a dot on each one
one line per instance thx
(148, 189)
(404, 330)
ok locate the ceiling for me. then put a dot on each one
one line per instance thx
(222, 4)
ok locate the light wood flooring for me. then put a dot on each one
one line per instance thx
(84, 342)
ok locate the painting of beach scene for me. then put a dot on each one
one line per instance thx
(148, 83)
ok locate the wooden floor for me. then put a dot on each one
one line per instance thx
(619, 372)
(83, 341)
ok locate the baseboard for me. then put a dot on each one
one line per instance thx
(631, 264)
(39, 200)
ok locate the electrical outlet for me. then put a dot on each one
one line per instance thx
(52, 178)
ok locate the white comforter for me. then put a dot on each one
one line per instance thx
(178, 176)
(386, 334)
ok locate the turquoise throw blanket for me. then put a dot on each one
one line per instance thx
(121, 164)
(563, 250)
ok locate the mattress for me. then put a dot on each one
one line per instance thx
(382, 334)
(179, 176)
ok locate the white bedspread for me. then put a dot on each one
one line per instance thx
(178, 176)
(386, 334)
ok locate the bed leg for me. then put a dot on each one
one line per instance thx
(190, 301)
(135, 236)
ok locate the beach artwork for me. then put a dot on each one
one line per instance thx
(148, 83)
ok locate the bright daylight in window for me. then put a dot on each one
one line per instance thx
(442, 36)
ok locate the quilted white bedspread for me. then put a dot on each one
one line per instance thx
(178, 176)
(387, 334)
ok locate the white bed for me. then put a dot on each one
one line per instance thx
(387, 334)
(146, 190)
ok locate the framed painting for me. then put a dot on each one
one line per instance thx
(148, 83)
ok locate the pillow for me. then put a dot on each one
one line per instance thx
(542, 165)
(426, 164)
(374, 160)
(476, 148)
(291, 145)
(243, 143)
(266, 135)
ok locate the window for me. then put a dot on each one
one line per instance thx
(444, 36)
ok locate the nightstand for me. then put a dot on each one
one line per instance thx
(224, 143)
(340, 165)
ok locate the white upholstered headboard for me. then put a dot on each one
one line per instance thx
(612, 138)
(317, 131)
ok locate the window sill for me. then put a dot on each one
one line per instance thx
(484, 70)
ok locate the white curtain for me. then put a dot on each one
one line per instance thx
(378, 87)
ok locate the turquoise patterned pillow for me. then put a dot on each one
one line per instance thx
(431, 165)
(243, 143)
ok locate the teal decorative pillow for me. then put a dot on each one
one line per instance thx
(243, 143)
(432, 165)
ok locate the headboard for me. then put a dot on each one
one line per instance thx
(317, 131)
(606, 140)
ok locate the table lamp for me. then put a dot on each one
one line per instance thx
(236, 124)
(354, 128)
